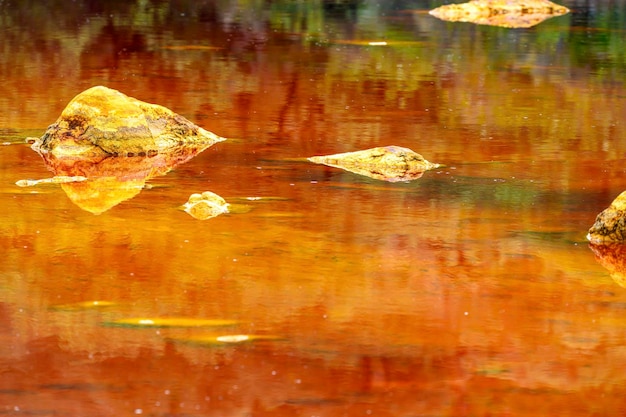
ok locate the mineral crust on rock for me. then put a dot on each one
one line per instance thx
(610, 224)
(104, 122)
(503, 13)
(388, 163)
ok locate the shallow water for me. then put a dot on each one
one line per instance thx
(470, 291)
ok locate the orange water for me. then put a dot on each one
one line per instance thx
(468, 292)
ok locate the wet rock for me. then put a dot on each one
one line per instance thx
(205, 206)
(104, 122)
(612, 256)
(610, 224)
(113, 144)
(389, 163)
(503, 13)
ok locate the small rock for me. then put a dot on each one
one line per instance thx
(205, 206)
(388, 163)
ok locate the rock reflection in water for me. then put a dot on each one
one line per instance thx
(612, 256)
(112, 180)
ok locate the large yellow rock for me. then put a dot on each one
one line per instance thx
(388, 163)
(105, 122)
(503, 13)
(610, 224)
(106, 145)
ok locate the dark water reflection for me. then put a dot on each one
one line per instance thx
(470, 291)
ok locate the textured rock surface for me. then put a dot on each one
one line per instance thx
(104, 122)
(205, 206)
(610, 224)
(503, 13)
(115, 143)
(389, 163)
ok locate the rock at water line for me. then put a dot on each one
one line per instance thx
(205, 206)
(105, 122)
(502, 13)
(106, 145)
(610, 224)
(388, 163)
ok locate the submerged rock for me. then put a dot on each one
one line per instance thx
(205, 206)
(610, 224)
(389, 163)
(503, 13)
(104, 122)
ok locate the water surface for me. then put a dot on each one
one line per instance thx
(470, 291)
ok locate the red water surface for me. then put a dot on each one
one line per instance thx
(468, 292)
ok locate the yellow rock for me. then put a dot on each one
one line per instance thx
(388, 163)
(205, 206)
(503, 13)
(610, 224)
(104, 122)
(106, 145)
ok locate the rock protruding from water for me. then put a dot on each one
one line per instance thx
(105, 122)
(502, 13)
(388, 163)
(205, 206)
(610, 225)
